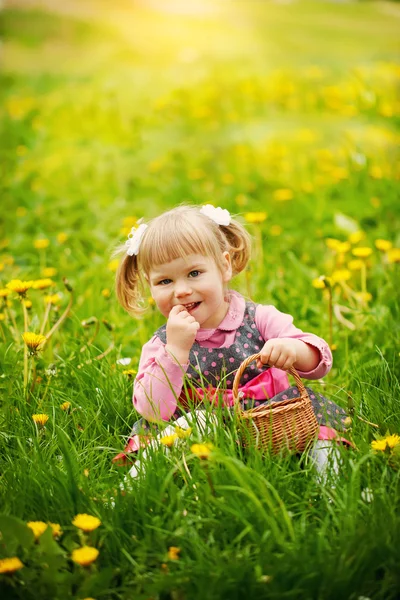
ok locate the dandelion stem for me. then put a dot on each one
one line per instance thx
(61, 319)
(42, 259)
(25, 311)
(210, 483)
(46, 316)
(330, 310)
(2, 333)
(33, 376)
(364, 278)
(91, 340)
(367, 422)
(14, 327)
(106, 351)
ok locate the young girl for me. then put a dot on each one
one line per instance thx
(188, 256)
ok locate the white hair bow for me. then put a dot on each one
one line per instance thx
(219, 215)
(135, 238)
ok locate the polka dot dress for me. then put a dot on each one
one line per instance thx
(209, 365)
(213, 366)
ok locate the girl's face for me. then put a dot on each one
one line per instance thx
(194, 282)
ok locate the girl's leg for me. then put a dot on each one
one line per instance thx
(199, 419)
(325, 457)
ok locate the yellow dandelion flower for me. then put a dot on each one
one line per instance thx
(356, 237)
(343, 247)
(42, 284)
(129, 373)
(393, 255)
(173, 553)
(183, 433)
(21, 211)
(106, 293)
(363, 296)
(130, 222)
(363, 252)
(52, 299)
(2, 317)
(4, 292)
(241, 200)
(393, 440)
(86, 522)
(41, 243)
(49, 272)
(40, 419)
(203, 451)
(18, 286)
(113, 265)
(376, 172)
(151, 301)
(85, 556)
(56, 529)
(62, 237)
(390, 441)
(275, 230)
(10, 565)
(383, 245)
(34, 341)
(227, 178)
(355, 265)
(38, 528)
(282, 195)
(341, 275)
(168, 440)
(28, 304)
(332, 243)
(319, 283)
(255, 217)
(86, 472)
(65, 405)
(1, 266)
(339, 173)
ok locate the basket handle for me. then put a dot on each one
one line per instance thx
(245, 364)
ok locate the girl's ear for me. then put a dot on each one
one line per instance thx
(227, 267)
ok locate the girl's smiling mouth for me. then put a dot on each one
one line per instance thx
(191, 306)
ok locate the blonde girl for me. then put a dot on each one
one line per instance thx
(187, 256)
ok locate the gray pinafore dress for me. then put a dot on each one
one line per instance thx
(216, 368)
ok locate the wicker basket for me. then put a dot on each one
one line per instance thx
(286, 424)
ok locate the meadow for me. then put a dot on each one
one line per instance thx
(286, 114)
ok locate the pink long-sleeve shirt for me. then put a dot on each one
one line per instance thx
(159, 382)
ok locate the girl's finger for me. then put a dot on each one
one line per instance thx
(287, 364)
(274, 357)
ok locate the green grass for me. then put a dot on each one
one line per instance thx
(107, 114)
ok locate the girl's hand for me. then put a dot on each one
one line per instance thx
(181, 333)
(278, 352)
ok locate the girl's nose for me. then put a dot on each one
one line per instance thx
(182, 289)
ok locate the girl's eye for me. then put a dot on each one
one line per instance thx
(194, 273)
(164, 282)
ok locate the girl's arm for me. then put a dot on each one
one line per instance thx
(314, 357)
(158, 383)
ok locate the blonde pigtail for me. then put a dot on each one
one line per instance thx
(129, 286)
(239, 245)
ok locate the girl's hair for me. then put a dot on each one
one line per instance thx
(174, 234)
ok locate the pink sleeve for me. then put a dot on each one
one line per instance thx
(272, 323)
(158, 383)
